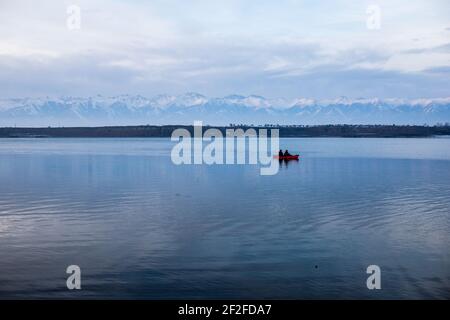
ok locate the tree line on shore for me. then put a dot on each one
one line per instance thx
(285, 131)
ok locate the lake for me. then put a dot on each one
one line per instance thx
(141, 227)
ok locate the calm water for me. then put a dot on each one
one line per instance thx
(141, 227)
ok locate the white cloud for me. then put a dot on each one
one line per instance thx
(213, 46)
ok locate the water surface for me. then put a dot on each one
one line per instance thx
(141, 227)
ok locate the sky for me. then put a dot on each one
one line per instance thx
(285, 48)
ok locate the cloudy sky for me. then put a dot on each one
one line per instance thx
(284, 48)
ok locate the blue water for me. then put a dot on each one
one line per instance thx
(140, 227)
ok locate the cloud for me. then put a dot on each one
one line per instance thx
(440, 70)
(288, 48)
(444, 48)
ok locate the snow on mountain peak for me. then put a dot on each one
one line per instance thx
(190, 99)
(184, 108)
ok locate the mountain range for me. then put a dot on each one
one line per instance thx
(237, 109)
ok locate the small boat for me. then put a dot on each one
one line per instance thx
(291, 157)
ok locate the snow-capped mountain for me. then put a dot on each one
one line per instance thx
(184, 109)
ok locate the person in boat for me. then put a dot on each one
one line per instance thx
(280, 153)
(286, 153)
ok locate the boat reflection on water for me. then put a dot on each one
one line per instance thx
(286, 162)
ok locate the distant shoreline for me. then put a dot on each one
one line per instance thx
(153, 131)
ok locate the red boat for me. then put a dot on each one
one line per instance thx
(292, 157)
